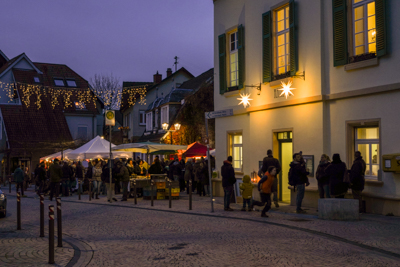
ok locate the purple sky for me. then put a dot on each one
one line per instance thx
(130, 38)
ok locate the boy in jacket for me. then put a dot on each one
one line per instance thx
(265, 188)
(247, 194)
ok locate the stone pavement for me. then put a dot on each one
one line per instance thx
(124, 234)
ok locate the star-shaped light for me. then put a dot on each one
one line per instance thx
(244, 99)
(286, 90)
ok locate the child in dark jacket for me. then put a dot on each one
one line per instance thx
(247, 194)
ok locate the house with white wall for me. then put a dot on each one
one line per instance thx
(321, 77)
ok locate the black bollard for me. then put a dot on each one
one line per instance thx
(18, 211)
(59, 223)
(9, 185)
(170, 195)
(151, 192)
(90, 189)
(190, 194)
(134, 190)
(51, 234)
(41, 215)
(79, 189)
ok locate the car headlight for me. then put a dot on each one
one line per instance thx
(2, 196)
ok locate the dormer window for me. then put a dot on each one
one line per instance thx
(36, 79)
(71, 83)
(59, 82)
(80, 105)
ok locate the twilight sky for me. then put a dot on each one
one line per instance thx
(130, 38)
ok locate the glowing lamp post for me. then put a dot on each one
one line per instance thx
(165, 128)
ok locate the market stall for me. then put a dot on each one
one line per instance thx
(195, 150)
(56, 155)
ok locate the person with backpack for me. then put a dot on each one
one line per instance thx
(357, 180)
(228, 180)
(322, 177)
(298, 178)
(97, 171)
(269, 161)
(265, 188)
(336, 171)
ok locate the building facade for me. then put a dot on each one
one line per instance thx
(322, 79)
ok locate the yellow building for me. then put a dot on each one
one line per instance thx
(322, 76)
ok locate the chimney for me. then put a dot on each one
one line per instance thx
(157, 78)
(169, 72)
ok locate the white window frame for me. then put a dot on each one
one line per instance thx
(142, 117)
(369, 142)
(149, 121)
(365, 25)
(232, 151)
(164, 115)
(285, 33)
(235, 51)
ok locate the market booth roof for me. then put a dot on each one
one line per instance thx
(96, 148)
(148, 147)
(196, 150)
(55, 155)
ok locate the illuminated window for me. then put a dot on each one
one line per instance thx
(364, 26)
(236, 150)
(59, 82)
(282, 40)
(71, 83)
(367, 142)
(233, 59)
(80, 105)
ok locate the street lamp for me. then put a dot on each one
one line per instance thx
(165, 128)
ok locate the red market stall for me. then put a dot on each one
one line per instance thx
(196, 150)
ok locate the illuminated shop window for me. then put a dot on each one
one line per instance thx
(367, 142)
(364, 25)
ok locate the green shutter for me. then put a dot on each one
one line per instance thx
(380, 9)
(267, 46)
(339, 33)
(222, 63)
(241, 55)
(293, 39)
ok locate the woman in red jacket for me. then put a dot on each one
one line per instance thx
(264, 186)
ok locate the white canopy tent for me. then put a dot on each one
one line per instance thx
(55, 155)
(148, 147)
(96, 148)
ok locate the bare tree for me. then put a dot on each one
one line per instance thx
(108, 88)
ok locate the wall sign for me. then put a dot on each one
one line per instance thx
(309, 159)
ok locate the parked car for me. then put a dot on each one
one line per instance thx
(3, 204)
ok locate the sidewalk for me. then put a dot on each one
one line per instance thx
(372, 232)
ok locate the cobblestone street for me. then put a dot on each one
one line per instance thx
(98, 233)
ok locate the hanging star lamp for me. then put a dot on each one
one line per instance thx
(286, 89)
(244, 99)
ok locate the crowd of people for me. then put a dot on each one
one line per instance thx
(61, 178)
(333, 177)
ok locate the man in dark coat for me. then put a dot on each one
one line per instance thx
(336, 171)
(56, 175)
(67, 173)
(357, 179)
(298, 178)
(228, 180)
(269, 161)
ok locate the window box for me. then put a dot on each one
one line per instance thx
(362, 57)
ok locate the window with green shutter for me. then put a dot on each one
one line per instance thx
(380, 7)
(339, 33)
(293, 39)
(267, 46)
(222, 63)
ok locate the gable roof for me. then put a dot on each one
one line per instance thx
(11, 63)
(181, 70)
(4, 56)
(196, 82)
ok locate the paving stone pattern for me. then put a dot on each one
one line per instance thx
(124, 234)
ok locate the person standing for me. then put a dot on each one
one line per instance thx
(357, 179)
(247, 192)
(298, 178)
(265, 188)
(110, 188)
(19, 179)
(41, 173)
(56, 175)
(97, 171)
(156, 167)
(206, 179)
(322, 177)
(140, 169)
(228, 180)
(269, 161)
(124, 176)
(188, 173)
(65, 179)
(336, 171)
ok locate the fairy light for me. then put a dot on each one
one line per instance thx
(244, 99)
